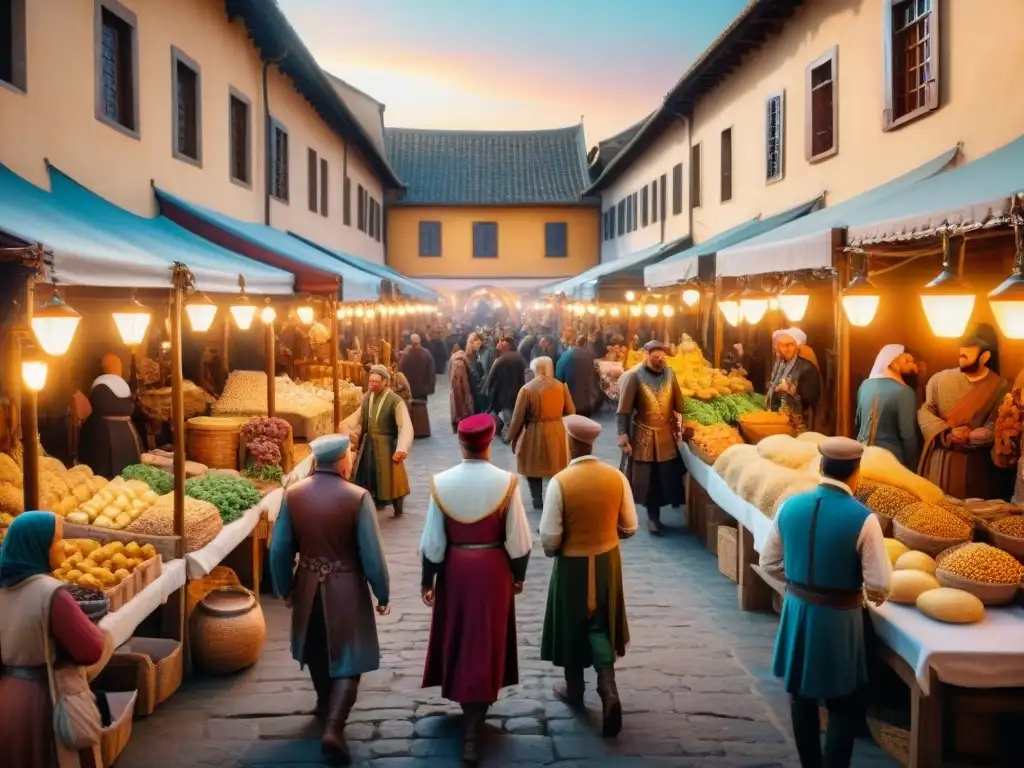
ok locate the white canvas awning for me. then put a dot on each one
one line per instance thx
(575, 287)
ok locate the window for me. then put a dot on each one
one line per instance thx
(12, 44)
(822, 108)
(773, 137)
(360, 208)
(241, 149)
(280, 183)
(695, 182)
(485, 240)
(323, 187)
(611, 223)
(911, 61)
(654, 200)
(644, 203)
(430, 239)
(346, 202)
(621, 227)
(726, 160)
(313, 187)
(371, 223)
(556, 239)
(187, 107)
(117, 82)
(635, 201)
(374, 219)
(664, 194)
(629, 214)
(379, 231)
(677, 189)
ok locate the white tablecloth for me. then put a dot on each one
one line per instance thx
(744, 512)
(203, 561)
(299, 471)
(123, 623)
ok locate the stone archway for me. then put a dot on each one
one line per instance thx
(489, 302)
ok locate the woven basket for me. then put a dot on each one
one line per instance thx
(988, 593)
(114, 738)
(728, 564)
(922, 542)
(213, 440)
(227, 631)
(755, 431)
(1007, 543)
(891, 738)
(95, 610)
(150, 666)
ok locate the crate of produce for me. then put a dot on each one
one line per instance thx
(115, 737)
(213, 440)
(728, 559)
(150, 666)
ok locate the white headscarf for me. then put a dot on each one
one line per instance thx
(889, 353)
(114, 383)
(794, 333)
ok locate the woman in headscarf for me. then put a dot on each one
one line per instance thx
(109, 441)
(35, 609)
(887, 406)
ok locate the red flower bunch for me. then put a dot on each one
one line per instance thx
(263, 437)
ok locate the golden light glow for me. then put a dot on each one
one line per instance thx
(948, 315)
(305, 315)
(691, 297)
(730, 311)
(519, 305)
(615, 311)
(201, 313)
(369, 312)
(1010, 317)
(132, 322)
(668, 310)
(602, 312)
(651, 310)
(753, 309)
(636, 310)
(243, 312)
(630, 296)
(860, 309)
(359, 311)
(402, 311)
(592, 309)
(33, 374)
(54, 325)
(794, 305)
(268, 315)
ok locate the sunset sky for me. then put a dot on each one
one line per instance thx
(511, 64)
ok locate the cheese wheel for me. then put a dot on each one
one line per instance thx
(895, 548)
(915, 561)
(953, 606)
(907, 586)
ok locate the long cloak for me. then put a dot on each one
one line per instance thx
(109, 441)
(507, 376)
(417, 365)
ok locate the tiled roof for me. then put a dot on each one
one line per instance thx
(489, 167)
(366, 109)
(607, 149)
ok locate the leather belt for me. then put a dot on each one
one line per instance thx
(491, 545)
(37, 674)
(323, 567)
(546, 420)
(841, 599)
(117, 418)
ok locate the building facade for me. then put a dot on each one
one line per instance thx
(797, 99)
(125, 95)
(502, 209)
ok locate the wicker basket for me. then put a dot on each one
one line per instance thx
(891, 738)
(728, 563)
(150, 666)
(213, 440)
(988, 593)
(922, 542)
(755, 431)
(227, 631)
(115, 738)
(1011, 544)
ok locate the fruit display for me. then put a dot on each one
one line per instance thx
(882, 466)
(907, 586)
(232, 496)
(159, 481)
(933, 520)
(89, 564)
(67, 489)
(202, 521)
(116, 505)
(1008, 427)
(609, 372)
(953, 606)
(982, 562)
(912, 560)
(721, 408)
(895, 549)
(245, 394)
(756, 426)
(712, 441)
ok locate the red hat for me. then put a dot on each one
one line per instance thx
(476, 432)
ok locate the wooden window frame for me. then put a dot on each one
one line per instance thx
(831, 56)
(180, 59)
(426, 243)
(564, 242)
(725, 172)
(678, 198)
(696, 174)
(636, 211)
(889, 121)
(313, 179)
(129, 19)
(346, 201)
(233, 96)
(620, 226)
(361, 213)
(479, 227)
(781, 97)
(18, 82)
(277, 125)
(324, 188)
(645, 206)
(654, 201)
(612, 218)
(378, 234)
(663, 200)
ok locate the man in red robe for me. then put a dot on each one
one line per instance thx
(475, 547)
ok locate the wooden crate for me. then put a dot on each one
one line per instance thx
(150, 666)
(115, 738)
(728, 558)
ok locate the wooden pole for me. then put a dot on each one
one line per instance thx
(29, 415)
(719, 325)
(271, 366)
(226, 341)
(182, 278)
(334, 364)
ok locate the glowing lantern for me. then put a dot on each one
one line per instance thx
(730, 311)
(33, 374)
(668, 310)
(132, 322)
(54, 325)
(753, 309)
(305, 314)
(947, 301)
(359, 311)
(794, 305)
(268, 315)
(1007, 300)
(691, 297)
(201, 312)
(651, 310)
(636, 310)
(244, 312)
(615, 311)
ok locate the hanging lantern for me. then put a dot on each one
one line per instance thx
(602, 312)
(132, 322)
(201, 312)
(651, 310)
(592, 309)
(402, 311)
(33, 374)
(1007, 300)
(244, 312)
(691, 297)
(668, 310)
(614, 311)
(753, 308)
(636, 310)
(730, 311)
(54, 325)
(359, 311)
(630, 296)
(793, 305)
(369, 313)
(861, 298)
(305, 314)
(947, 301)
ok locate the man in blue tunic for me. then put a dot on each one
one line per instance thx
(331, 525)
(829, 549)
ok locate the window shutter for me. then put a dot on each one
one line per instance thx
(314, 188)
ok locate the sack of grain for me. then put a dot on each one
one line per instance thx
(881, 466)
(202, 521)
(754, 477)
(787, 451)
(733, 455)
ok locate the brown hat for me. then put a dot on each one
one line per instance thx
(581, 428)
(841, 449)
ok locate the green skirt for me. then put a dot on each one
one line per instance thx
(564, 641)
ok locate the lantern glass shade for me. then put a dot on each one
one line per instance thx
(243, 312)
(753, 309)
(652, 310)
(54, 325)
(691, 297)
(614, 311)
(132, 322)
(668, 310)
(630, 296)
(33, 374)
(1007, 302)
(860, 308)
(794, 306)
(305, 315)
(268, 315)
(636, 310)
(730, 311)
(201, 312)
(948, 314)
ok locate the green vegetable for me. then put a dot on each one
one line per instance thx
(271, 473)
(232, 496)
(161, 482)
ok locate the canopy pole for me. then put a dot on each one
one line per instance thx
(841, 277)
(182, 280)
(334, 364)
(29, 412)
(719, 324)
(271, 366)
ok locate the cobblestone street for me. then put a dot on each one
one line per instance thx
(696, 682)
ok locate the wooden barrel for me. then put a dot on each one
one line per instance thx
(213, 440)
(227, 631)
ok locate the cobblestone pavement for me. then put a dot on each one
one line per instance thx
(696, 683)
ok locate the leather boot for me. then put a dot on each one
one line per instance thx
(343, 697)
(654, 526)
(611, 707)
(473, 716)
(398, 505)
(571, 691)
(536, 491)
